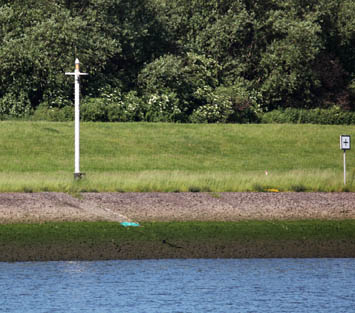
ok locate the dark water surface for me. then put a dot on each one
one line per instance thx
(195, 285)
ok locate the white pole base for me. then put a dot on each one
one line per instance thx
(78, 176)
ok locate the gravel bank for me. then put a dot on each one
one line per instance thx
(50, 206)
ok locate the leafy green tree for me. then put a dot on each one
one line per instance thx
(346, 21)
(346, 30)
(184, 57)
(183, 76)
(39, 41)
(286, 76)
(133, 25)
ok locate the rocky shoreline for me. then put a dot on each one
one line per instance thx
(184, 206)
(23, 208)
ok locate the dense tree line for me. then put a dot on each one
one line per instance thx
(181, 60)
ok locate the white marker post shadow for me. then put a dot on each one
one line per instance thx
(77, 74)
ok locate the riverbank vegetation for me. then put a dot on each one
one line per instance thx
(99, 232)
(103, 240)
(179, 61)
(38, 156)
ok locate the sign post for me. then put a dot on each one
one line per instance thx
(345, 144)
(77, 74)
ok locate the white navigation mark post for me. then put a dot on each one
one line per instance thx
(77, 74)
(345, 144)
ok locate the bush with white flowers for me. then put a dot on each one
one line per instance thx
(162, 107)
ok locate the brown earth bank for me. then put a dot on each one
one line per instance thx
(180, 250)
(119, 207)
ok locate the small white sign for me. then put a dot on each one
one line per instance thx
(345, 142)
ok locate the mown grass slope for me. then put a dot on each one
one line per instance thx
(39, 156)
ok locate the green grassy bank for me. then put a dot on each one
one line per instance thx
(103, 240)
(39, 156)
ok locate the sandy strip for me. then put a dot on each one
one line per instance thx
(119, 207)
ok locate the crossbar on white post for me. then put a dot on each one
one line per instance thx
(77, 74)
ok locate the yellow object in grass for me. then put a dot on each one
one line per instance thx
(272, 190)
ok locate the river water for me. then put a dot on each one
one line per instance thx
(194, 285)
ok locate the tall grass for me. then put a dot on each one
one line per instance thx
(38, 156)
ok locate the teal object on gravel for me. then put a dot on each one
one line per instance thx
(129, 224)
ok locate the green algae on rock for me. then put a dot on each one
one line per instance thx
(245, 239)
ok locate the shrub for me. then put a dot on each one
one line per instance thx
(93, 110)
(130, 108)
(217, 109)
(15, 105)
(184, 76)
(332, 116)
(225, 104)
(134, 106)
(44, 113)
(163, 108)
(112, 106)
(55, 99)
(106, 107)
(244, 101)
